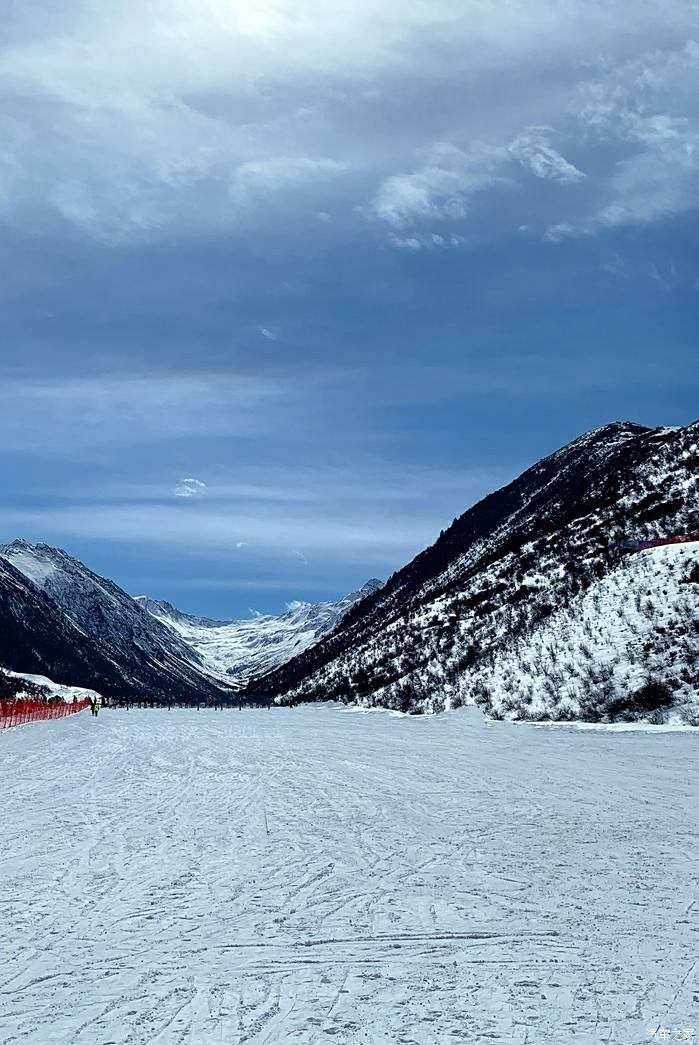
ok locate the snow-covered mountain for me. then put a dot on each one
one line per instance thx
(13, 684)
(625, 648)
(239, 649)
(486, 612)
(58, 618)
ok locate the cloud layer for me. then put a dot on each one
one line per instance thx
(132, 121)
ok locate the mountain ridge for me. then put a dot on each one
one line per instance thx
(61, 619)
(239, 649)
(107, 641)
(562, 515)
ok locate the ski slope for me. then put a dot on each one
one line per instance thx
(324, 874)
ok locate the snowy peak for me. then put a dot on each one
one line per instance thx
(238, 649)
(370, 588)
(38, 562)
(169, 614)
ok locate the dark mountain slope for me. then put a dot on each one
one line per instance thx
(60, 619)
(36, 637)
(506, 563)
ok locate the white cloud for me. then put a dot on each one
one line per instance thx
(534, 150)
(426, 241)
(649, 106)
(562, 230)
(439, 189)
(130, 120)
(268, 334)
(190, 488)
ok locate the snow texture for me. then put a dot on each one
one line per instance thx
(237, 650)
(637, 625)
(55, 689)
(363, 877)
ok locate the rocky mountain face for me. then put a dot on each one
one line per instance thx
(237, 650)
(60, 619)
(479, 615)
(37, 638)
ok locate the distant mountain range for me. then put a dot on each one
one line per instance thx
(58, 618)
(527, 605)
(238, 650)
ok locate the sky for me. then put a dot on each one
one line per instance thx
(288, 285)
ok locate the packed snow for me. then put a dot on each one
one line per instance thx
(326, 874)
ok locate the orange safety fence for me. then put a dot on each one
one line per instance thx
(17, 712)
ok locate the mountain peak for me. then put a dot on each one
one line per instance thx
(238, 649)
(518, 558)
(370, 587)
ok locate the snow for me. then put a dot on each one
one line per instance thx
(637, 622)
(234, 651)
(306, 875)
(56, 689)
(36, 568)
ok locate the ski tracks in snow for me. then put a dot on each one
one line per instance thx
(315, 875)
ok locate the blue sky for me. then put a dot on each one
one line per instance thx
(288, 286)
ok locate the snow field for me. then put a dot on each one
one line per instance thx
(319, 874)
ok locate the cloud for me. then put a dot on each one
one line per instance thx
(534, 150)
(190, 488)
(286, 517)
(129, 122)
(268, 334)
(281, 173)
(426, 241)
(440, 189)
(59, 414)
(649, 108)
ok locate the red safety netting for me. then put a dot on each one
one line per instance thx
(17, 712)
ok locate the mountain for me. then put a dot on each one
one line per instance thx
(36, 637)
(626, 648)
(503, 579)
(12, 684)
(239, 649)
(60, 619)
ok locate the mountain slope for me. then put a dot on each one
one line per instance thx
(504, 566)
(238, 649)
(37, 638)
(60, 619)
(627, 647)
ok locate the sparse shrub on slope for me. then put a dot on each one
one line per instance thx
(466, 620)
